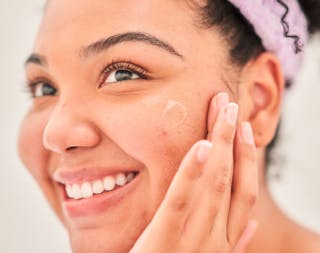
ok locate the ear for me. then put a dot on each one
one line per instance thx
(260, 96)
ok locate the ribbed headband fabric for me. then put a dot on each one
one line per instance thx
(282, 27)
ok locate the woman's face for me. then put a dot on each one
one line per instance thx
(120, 86)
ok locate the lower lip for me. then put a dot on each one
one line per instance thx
(99, 202)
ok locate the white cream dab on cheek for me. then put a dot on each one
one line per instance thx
(174, 114)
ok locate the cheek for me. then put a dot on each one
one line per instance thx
(174, 115)
(30, 147)
(156, 132)
(35, 158)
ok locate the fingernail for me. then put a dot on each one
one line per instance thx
(247, 134)
(252, 228)
(222, 100)
(253, 225)
(246, 236)
(232, 113)
(204, 151)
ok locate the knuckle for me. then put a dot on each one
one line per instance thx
(250, 198)
(178, 205)
(227, 136)
(222, 184)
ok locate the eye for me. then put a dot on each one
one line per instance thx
(41, 89)
(121, 75)
(121, 72)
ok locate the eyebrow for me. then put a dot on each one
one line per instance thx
(36, 59)
(104, 44)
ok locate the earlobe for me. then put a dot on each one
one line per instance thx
(264, 84)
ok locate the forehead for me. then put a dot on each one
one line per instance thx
(69, 23)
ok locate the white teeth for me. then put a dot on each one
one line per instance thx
(109, 183)
(97, 187)
(76, 191)
(86, 190)
(69, 191)
(130, 176)
(121, 179)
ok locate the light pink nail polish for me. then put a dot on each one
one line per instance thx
(247, 133)
(232, 113)
(222, 100)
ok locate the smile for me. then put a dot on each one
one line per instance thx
(89, 189)
(87, 192)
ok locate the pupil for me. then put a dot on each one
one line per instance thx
(48, 90)
(123, 75)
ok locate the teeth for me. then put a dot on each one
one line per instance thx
(97, 187)
(130, 176)
(109, 183)
(69, 191)
(87, 189)
(76, 191)
(121, 179)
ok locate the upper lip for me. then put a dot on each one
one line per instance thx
(86, 173)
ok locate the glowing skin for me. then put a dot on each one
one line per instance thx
(174, 114)
(90, 127)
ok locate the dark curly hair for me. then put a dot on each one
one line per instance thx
(243, 41)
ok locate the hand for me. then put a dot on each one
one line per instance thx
(208, 204)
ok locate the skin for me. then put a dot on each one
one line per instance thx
(128, 123)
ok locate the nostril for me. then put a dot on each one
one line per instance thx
(71, 148)
(66, 131)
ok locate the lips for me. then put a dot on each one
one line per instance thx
(108, 183)
(91, 191)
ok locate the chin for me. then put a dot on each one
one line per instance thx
(103, 240)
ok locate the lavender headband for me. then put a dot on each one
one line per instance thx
(282, 27)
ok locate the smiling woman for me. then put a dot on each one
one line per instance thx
(150, 121)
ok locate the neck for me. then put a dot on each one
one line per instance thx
(276, 232)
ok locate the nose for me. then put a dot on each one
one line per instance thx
(69, 127)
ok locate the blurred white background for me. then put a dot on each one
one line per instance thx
(26, 222)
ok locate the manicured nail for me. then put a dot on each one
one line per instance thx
(222, 100)
(247, 134)
(253, 225)
(251, 229)
(232, 113)
(203, 151)
(246, 236)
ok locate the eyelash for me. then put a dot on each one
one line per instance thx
(31, 85)
(118, 65)
(113, 66)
